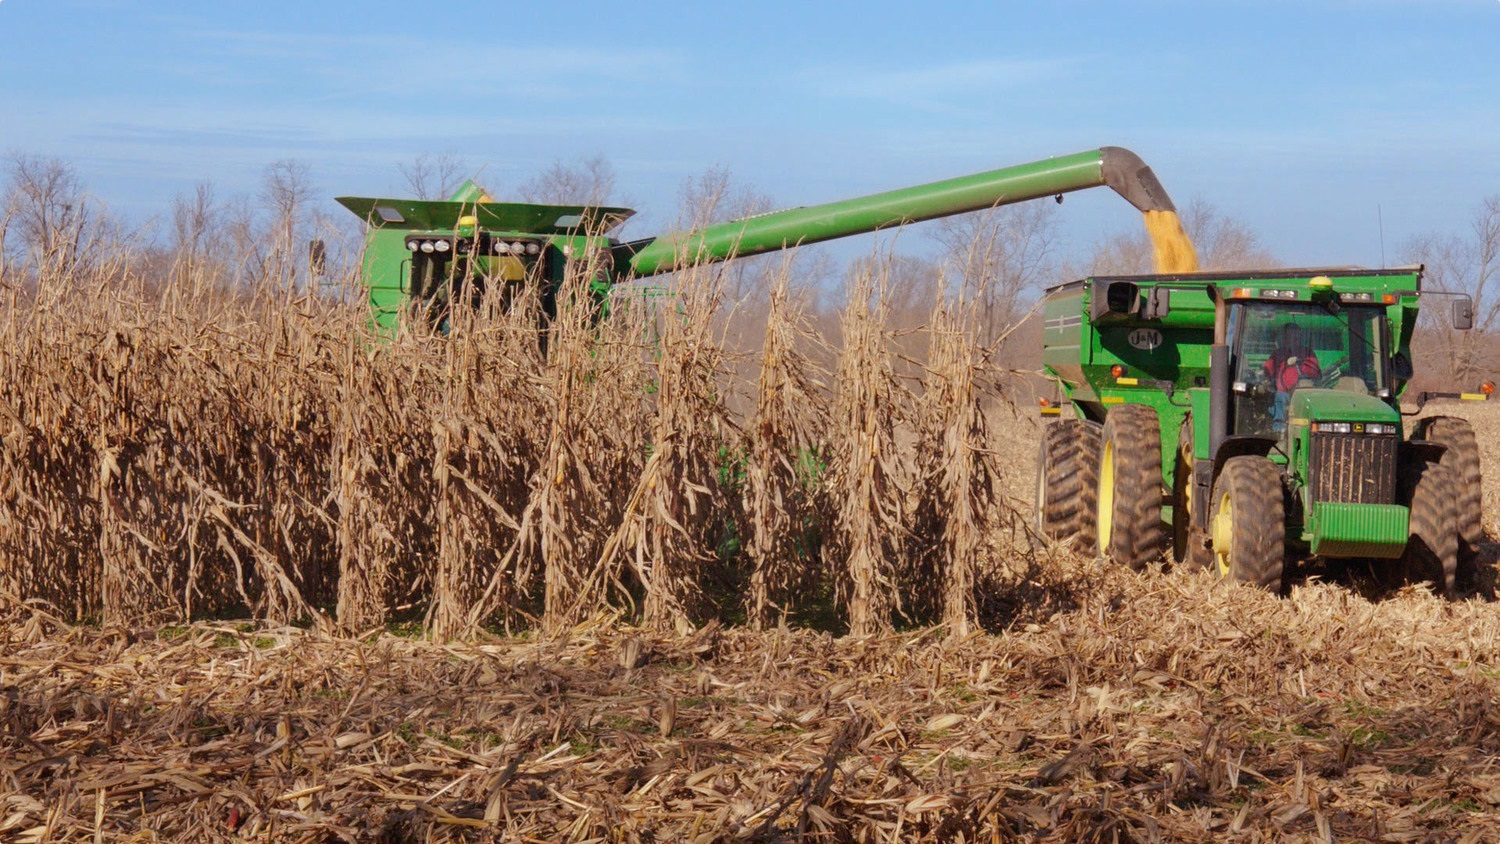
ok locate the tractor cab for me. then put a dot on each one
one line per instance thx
(1279, 350)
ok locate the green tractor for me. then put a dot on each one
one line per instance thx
(1247, 419)
(423, 257)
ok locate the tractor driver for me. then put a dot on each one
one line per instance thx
(1292, 361)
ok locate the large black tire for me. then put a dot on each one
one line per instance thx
(1129, 500)
(1431, 553)
(1462, 457)
(1249, 522)
(1065, 479)
(1189, 543)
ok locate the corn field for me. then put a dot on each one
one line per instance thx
(178, 448)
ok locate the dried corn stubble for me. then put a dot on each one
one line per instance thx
(1159, 705)
(678, 508)
(869, 475)
(958, 501)
(785, 473)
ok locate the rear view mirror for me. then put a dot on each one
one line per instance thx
(1401, 367)
(1463, 313)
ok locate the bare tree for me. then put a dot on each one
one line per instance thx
(50, 215)
(712, 197)
(1223, 242)
(1468, 263)
(589, 182)
(193, 219)
(1003, 257)
(433, 177)
(285, 193)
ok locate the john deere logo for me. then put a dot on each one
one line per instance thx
(1145, 338)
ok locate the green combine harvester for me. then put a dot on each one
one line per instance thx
(422, 256)
(1254, 418)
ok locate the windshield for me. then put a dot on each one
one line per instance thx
(1279, 348)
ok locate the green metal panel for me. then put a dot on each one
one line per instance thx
(510, 218)
(1199, 399)
(1357, 530)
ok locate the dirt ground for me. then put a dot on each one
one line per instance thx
(1111, 707)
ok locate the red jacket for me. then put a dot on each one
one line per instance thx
(1286, 366)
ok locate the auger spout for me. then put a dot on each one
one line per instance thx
(1115, 167)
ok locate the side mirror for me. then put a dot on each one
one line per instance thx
(317, 257)
(1463, 313)
(1401, 367)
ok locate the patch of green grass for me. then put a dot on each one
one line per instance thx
(446, 738)
(172, 632)
(408, 733)
(1369, 739)
(484, 739)
(962, 691)
(1359, 709)
(409, 629)
(623, 724)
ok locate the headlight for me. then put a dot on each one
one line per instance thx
(1371, 428)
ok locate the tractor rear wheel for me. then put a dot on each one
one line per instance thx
(1462, 457)
(1129, 500)
(1431, 553)
(1065, 480)
(1249, 522)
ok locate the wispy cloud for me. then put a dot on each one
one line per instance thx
(504, 71)
(940, 82)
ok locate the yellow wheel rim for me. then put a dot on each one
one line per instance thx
(1223, 534)
(1106, 495)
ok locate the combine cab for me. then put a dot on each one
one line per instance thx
(1244, 415)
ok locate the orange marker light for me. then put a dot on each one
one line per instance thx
(1117, 370)
(1488, 388)
(1388, 299)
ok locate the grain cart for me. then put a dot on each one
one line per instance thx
(1245, 415)
(422, 256)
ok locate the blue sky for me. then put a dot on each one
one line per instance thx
(1298, 118)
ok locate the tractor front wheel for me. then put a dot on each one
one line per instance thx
(1129, 501)
(1431, 554)
(1248, 522)
(1461, 456)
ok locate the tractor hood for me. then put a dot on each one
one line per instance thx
(1316, 405)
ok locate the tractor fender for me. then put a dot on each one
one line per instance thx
(1425, 451)
(1205, 473)
(1239, 446)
